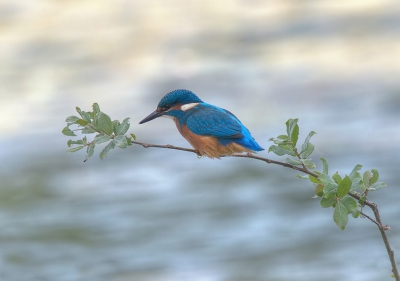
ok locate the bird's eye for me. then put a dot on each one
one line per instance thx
(167, 107)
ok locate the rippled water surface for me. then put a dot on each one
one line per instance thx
(156, 214)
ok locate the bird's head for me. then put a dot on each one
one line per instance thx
(178, 100)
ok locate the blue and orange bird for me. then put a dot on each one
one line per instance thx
(212, 131)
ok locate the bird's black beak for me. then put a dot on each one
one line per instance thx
(152, 116)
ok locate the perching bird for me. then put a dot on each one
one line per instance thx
(212, 131)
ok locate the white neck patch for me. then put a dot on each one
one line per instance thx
(169, 117)
(188, 106)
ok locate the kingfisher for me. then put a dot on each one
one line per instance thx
(211, 130)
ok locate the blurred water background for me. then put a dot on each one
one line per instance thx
(161, 215)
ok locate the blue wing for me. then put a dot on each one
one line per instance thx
(209, 120)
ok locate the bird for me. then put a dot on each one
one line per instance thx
(212, 131)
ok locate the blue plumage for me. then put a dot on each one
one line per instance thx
(178, 96)
(196, 119)
(209, 120)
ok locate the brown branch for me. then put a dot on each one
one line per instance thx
(146, 145)
(370, 204)
(382, 228)
(270, 161)
(371, 219)
(247, 155)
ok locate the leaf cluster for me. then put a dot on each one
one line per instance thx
(99, 123)
(335, 191)
(286, 145)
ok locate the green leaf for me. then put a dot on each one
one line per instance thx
(356, 180)
(90, 151)
(337, 178)
(355, 214)
(362, 201)
(304, 177)
(324, 165)
(79, 111)
(326, 203)
(133, 136)
(314, 179)
(308, 163)
(88, 130)
(278, 141)
(103, 123)
(107, 149)
(71, 142)
(128, 141)
(71, 119)
(86, 116)
(116, 125)
(287, 147)
(330, 190)
(307, 151)
(366, 180)
(96, 109)
(377, 186)
(294, 162)
(306, 142)
(120, 141)
(75, 148)
(295, 135)
(66, 131)
(350, 203)
(375, 176)
(325, 179)
(357, 185)
(279, 151)
(292, 130)
(319, 190)
(101, 138)
(81, 122)
(124, 127)
(344, 187)
(340, 215)
(355, 170)
(281, 139)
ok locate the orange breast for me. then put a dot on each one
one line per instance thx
(210, 146)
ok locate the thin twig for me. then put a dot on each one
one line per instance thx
(371, 219)
(247, 155)
(146, 145)
(270, 161)
(382, 228)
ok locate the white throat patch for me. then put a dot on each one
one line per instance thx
(188, 106)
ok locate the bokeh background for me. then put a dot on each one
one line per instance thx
(161, 215)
